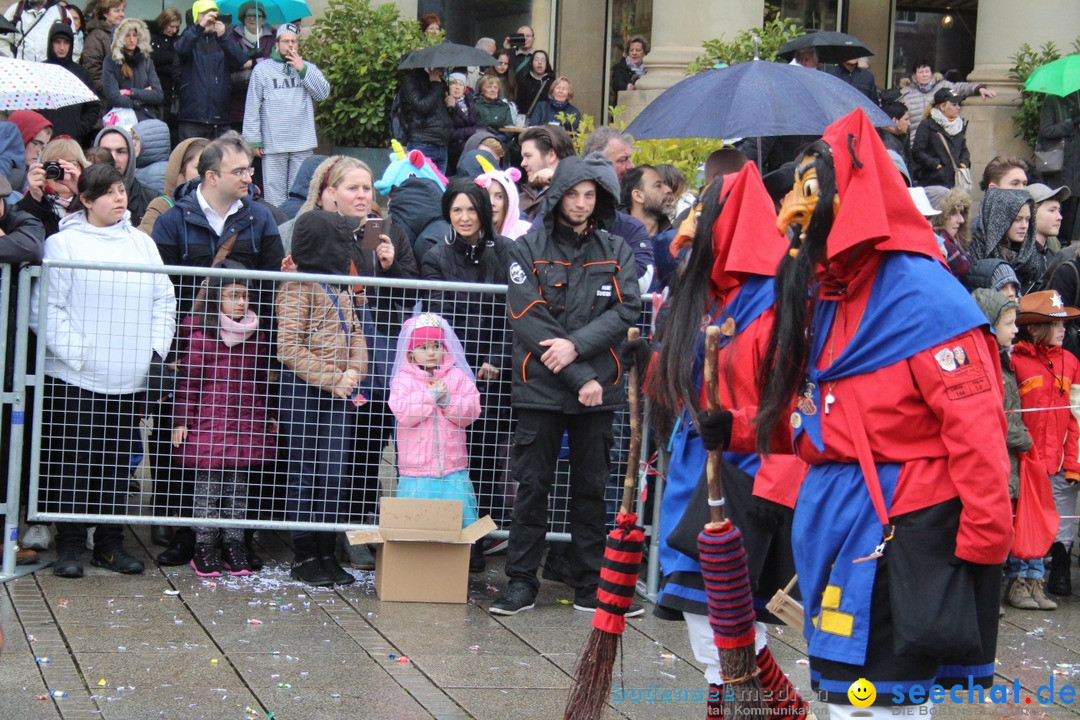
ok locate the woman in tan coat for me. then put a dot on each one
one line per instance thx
(320, 343)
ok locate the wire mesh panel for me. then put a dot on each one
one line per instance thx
(272, 400)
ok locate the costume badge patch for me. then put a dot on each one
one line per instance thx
(960, 368)
(805, 403)
(603, 291)
(517, 275)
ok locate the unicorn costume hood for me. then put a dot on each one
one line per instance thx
(513, 225)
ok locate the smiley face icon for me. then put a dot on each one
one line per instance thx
(862, 693)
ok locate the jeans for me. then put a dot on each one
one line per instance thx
(187, 129)
(536, 449)
(318, 428)
(435, 153)
(1027, 569)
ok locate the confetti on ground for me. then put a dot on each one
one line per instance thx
(284, 685)
(402, 660)
(564, 601)
(172, 592)
(802, 661)
(253, 621)
(474, 647)
(43, 660)
(667, 656)
(62, 603)
(102, 682)
(213, 661)
(335, 695)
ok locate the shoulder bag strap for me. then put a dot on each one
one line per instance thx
(222, 252)
(947, 149)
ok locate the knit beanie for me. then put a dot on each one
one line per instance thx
(1003, 275)
(29, 122)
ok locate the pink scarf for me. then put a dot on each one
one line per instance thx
(234, 332)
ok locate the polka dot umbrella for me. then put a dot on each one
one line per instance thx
(39, 86)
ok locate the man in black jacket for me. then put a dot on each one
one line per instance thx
(206, 59)
(573, 294)
(427, 119)
(74, 120)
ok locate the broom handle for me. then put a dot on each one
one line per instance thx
(712, 400)
(633, 456)
(791, 584)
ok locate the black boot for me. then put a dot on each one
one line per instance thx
(307, 566)
(477, 561)
(180, 551)
(254, 559)
(326, 545)
(161, 535)
(1059, 579)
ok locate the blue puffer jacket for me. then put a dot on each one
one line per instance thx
(184, 237)
(151, 163)
(206, 62)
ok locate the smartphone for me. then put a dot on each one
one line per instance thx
(373, 228)
(227, 19)
(517, 40)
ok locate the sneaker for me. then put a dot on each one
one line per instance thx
(1019, 595)
(557, 568)
(519, 596)
(234, 558)
(1039, 596)
(360, 557)
(206, 560)
(68, 562)
(589, 603)
(497, 546)
(36, 537)
(118, 560)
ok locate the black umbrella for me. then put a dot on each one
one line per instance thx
(6, 25)
(832, 47)
(445, 55)
(753, 98)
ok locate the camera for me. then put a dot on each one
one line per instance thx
(517, 40)
(226, 19)
(53, 171)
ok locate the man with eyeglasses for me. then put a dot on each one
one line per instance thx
(215, 217)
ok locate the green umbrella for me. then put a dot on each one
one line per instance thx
(1061, 77)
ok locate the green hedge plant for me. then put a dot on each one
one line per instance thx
(358, 48)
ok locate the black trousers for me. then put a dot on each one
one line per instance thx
(88, 439)
(537, 439)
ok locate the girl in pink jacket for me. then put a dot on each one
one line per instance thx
(433, 395)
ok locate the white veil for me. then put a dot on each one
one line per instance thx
(450, 342)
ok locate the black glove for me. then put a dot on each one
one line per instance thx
(636, 352)
(714, 429)
(769, 515)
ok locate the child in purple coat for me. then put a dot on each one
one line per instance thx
(221, 427)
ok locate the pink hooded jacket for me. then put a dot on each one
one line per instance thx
(431, 439)
(513, 225)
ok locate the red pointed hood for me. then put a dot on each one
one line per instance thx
(875, 205)
(745, 238)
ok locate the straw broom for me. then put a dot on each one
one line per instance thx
(591, 688)
(727, 581)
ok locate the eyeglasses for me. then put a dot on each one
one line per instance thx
(252, 16)
(240, 172)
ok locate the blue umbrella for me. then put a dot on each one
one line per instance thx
(755, 98)
(277, 11)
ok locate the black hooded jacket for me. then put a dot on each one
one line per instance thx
(580, 287)
(75, 120)
(416, 206)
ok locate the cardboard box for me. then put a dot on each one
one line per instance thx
(423, 552)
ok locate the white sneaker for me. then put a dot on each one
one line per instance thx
(36, 537)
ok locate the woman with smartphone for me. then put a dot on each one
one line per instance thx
(376, 249)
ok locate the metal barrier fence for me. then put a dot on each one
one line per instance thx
(116, 455)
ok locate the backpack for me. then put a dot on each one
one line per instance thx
(399, 129)
(1066, 255)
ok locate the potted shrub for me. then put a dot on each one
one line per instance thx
(358, 47)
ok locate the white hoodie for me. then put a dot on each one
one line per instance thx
(103, 326)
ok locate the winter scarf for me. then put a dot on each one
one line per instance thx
(998, 210)
(233, 332)
(952, 127)
(638, 70)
